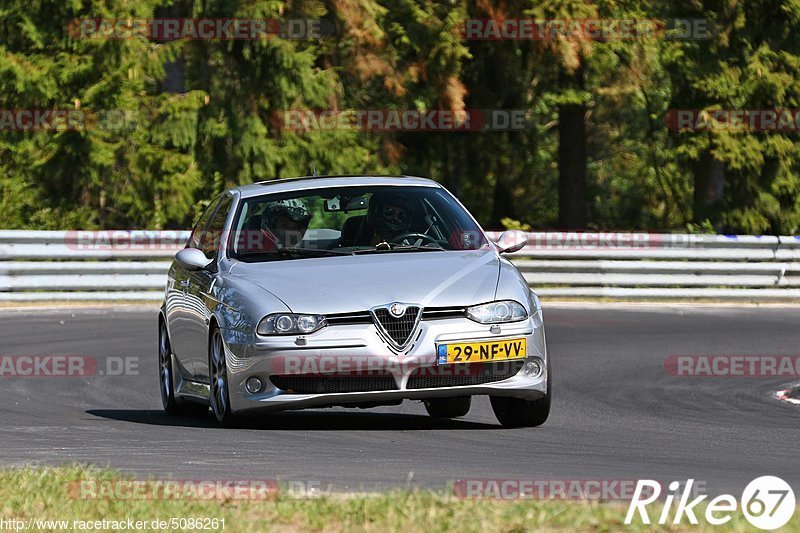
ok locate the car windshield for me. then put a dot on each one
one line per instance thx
(351, 220)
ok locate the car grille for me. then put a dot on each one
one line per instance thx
(340, 319)
(363, 317)
(300, 384)
(437, 313)
(399, 329)
(463, 374)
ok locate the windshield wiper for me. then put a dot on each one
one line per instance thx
(308, 252)
(399, 248)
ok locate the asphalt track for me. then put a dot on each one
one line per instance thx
(617, 413)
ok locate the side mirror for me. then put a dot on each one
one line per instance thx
(192, 259)
(512, 241)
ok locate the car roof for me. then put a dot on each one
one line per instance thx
(320, 182)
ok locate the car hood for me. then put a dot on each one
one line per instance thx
(357, 283)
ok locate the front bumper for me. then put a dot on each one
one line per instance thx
(361, 347)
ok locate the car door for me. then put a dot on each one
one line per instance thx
(199, 303)
(178, 316)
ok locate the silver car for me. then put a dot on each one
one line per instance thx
(349, 291)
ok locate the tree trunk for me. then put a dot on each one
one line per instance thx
(572, 166)
(709, 186)
(174, 75)
(502, 204)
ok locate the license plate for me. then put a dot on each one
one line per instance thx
(477, 352)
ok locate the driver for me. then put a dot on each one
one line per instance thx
(285, 222)
(390, 215)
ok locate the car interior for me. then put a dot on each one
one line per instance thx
(340, 222)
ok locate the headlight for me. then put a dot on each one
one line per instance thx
(290, 324)
(497, 312)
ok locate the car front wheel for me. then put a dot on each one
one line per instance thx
(218, 371)
(448, 407)
(172, 405)
(518, 412)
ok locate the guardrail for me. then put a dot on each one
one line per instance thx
(132, 265)
(86, 265)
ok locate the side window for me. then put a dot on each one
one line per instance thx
(209, 241)
(200, 226)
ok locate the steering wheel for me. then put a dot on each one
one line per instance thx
(416, 236)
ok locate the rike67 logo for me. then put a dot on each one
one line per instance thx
(767, 503)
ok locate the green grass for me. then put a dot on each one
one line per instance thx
(44, 493)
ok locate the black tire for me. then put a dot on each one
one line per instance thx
(518, 412)
(172, 405)
(448, 407)
(219, 396)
